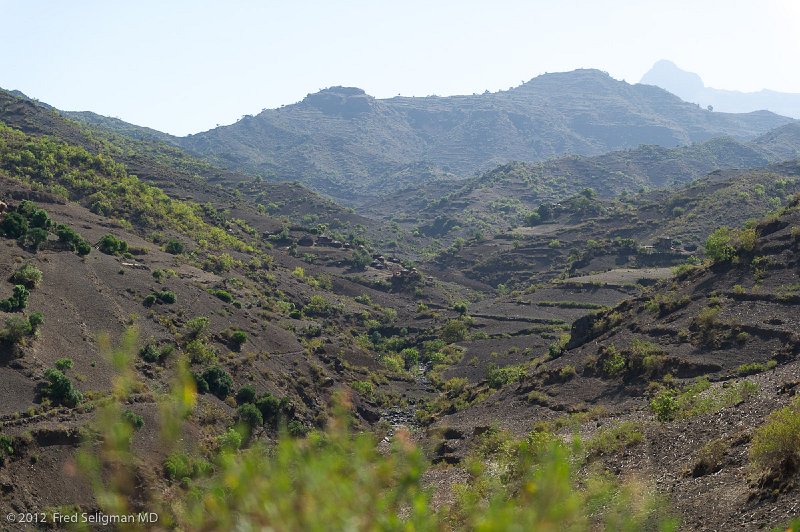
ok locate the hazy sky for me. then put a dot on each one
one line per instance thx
(184, 66)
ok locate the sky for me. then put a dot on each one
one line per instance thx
(185, 66)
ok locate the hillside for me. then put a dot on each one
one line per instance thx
(351, 146)
(680, 386)
(584, 233)
(503, 197)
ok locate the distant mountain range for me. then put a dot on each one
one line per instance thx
(345, 143)
(690, 87)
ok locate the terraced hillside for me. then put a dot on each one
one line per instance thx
(505, 196)
(687, 387)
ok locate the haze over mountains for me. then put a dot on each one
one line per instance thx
(347, 144)
(690, 87)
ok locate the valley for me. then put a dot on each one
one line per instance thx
(450, 306)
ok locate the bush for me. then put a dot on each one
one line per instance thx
(224, 295)
(133, 419)
(250, 415)
(230, 440)
(776, 444)
(35, 238)
(567, 372)
(14, 225)
(111, 245)
(318, 306)
(498, 377)
(173, 247)
(178, 466)
(197, 327)
(153, 353)
(60, 389)
(360, 259)
(17, 329)
(454, 331)
(719, 245)
(410, 357)
(27, 275)
(63, 364)
(613, 362)
(17, 301)
(166, 296)
(6, 448)
(72, 240)
(246, 394)
(665, 405)
(364, 388)
(273, 409)
(461, 307)
(219, 381)
(200, 353)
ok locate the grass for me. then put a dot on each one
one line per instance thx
(699, 398)
(612, 439)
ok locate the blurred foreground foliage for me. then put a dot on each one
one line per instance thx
(340, 479)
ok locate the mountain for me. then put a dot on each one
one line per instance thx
(351, 146)
(690, 87)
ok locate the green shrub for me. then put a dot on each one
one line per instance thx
(498, 377)
(60, 389)
(153, 353)
(461, 307)
(6, 448)
(111, 245)
(776, 444)
(178, 466)
(218, 381)
(454, 331)
(273, 409)
(197, 327)
(613, 362)
(17, 329)
(150, 300)
(665, 404)
(410, 357)
(27, 275)
(17, 301)
(63, 364)
(231, 440)
(755, 367)
(567, 372)
(135, 420)
(698, 398)
(200, 353)
(14, 225)
(719, 245)
(364, 388)
(246, 394)
(250, 415)
(173, 247)
(318, 306)
(223, 295)
(166, 296)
